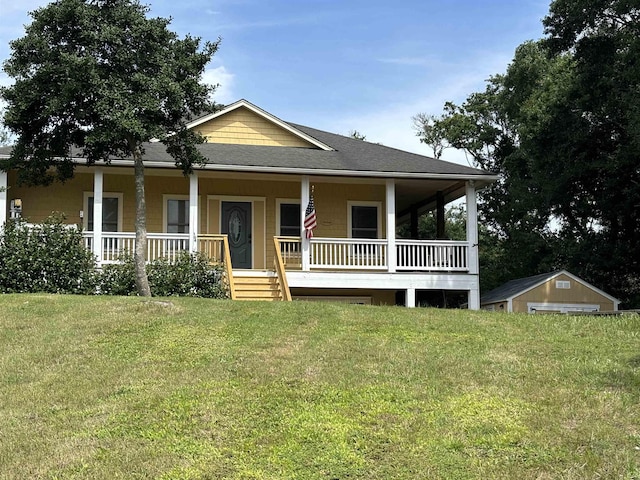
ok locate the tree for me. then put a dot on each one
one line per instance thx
(601, 145)
(100, 76)
(357, 135)
(562, 128)
(5, 136)
(489, 127)
(426, 127)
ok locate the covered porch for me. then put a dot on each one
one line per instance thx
(342, 254)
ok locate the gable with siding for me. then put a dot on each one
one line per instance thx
(241, 126)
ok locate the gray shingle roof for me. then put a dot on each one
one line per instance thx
(514, 287)
(349, 155)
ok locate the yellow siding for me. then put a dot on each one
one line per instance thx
(38, 202)
(548, 293)
(331, 202)
(244, 127)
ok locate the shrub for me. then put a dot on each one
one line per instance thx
(48, 257)
(118, 278)
(189, 275)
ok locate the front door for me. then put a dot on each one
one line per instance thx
(236, 223)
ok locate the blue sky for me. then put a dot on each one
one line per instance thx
(342, 65)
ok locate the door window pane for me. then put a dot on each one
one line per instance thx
(290, 219)
(177, 216)
(364, 221)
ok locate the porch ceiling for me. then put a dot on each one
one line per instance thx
(421, 194)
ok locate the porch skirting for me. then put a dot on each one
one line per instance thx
(383, 280)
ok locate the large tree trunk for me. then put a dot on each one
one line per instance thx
(140, 254)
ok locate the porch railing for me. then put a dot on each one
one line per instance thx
(349, 253)
(365, 254)
(159, 245)
(324, 253)
(115, 245)
(432, 255)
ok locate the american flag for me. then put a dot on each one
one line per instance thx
(310, 218)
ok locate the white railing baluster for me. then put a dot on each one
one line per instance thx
(325, 253)
(432, 255)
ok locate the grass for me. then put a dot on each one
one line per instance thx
(98, 387)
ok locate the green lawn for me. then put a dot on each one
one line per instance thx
(99, 387)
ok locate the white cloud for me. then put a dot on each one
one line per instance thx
(225, 80)
(391, 124)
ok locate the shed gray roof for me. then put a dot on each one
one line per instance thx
(514, 287)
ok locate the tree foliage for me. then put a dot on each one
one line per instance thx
(100, 77)
(562, 128)
(357, 135)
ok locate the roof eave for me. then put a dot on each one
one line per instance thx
(481, 180)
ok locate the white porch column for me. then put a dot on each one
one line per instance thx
(472, 241)
(391, 225)
(98, 185)
(410, 300)
(4, 183)
(193, 212)
(305, 242)
(473, 299)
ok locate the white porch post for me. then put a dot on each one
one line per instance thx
(410, 301)
(193, 212)
(3, 197)
(391, 225)
(472, 241)
(98, 185)
(304, 201)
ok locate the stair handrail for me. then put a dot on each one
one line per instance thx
(282, 274)
(228, 268)
(218, 254)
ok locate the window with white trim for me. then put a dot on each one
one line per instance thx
(289, 218)
(563, 284)
(364, 220)
(177, 215)
(111, 212)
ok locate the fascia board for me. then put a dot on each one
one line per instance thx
(482, 179)
(316, 171)
(587, 284)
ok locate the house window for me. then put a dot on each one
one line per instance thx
(563, 284)
(289, 220)
(364, 220)
(111, 212)
(177, 215)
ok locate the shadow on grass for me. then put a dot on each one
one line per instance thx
(625, 378)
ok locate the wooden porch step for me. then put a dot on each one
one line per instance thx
(265, 288)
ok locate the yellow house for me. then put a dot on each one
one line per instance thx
(248, 203)
(555, 292)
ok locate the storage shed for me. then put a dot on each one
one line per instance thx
(555, 292)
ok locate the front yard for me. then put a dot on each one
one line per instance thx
(112, 387)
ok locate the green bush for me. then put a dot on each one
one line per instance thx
(47, 257)
(118, 278)
(189, 275)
